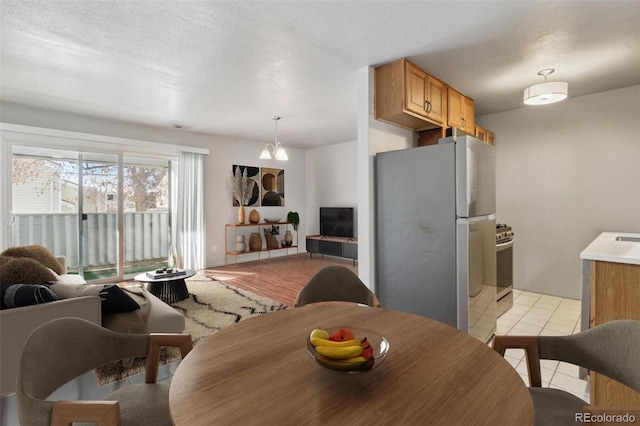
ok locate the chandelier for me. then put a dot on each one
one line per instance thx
(275, 149)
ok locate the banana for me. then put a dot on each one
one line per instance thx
(315, 341)
(339, 352)
(319, 333)
(357, 360)
(352, 364)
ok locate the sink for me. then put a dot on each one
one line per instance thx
(630, 239)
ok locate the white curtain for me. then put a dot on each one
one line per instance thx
(189, 229)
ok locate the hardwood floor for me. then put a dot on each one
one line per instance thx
(279, 279)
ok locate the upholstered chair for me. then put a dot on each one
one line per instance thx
(611, 349)
(336, 283)
(63, 349)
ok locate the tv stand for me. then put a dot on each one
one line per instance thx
(333, 246)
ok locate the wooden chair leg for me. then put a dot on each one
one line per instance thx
(104, 413)
(155, 343)
(530, 346)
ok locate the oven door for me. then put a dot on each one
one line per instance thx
(504, 276)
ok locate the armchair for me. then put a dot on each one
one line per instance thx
(611, 349)
(336, 283)
(62, 349)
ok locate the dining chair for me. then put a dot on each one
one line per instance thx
(65, 348)
(336, 283)
(611, 349)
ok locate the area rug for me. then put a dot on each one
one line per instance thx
(211, 306)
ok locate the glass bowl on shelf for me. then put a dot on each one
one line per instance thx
(357, 364)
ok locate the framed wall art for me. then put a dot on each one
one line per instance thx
(272, 191)
(253, 175)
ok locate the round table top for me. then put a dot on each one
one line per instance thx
(259, 372)
(143, 277)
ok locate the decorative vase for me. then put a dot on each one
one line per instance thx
(288, 238)
(241, 215)
(240, 244)
(272, 242)
(254, 216)
(255, 241)
(172, 262)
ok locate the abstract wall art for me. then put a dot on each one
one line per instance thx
(253, 174)
(272, 187)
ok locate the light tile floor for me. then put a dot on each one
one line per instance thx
(543, 315)
(531, 314)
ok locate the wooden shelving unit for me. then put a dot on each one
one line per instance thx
(265, 247)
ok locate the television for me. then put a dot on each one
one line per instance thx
(337, 222)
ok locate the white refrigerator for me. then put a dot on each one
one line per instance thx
(435, 230)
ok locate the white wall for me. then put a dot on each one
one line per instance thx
(332, 181)
(224, 152)
(565, 173)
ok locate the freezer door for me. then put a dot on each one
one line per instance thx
(476, 265)
(475, 178)
(415, 232)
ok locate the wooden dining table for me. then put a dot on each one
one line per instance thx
(259, 372)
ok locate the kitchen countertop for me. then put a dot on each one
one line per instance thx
(606, 248)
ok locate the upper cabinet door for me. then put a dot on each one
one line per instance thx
(437, 100)
(425, 94)
(416, 87)
(461, 111)
(485, 135)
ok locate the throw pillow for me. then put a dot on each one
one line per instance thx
(17, 295)
(23, 270)
(114, 299)
(68, 279)
(39, 253)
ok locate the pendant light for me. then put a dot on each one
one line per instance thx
(545, 93)
(274, 150)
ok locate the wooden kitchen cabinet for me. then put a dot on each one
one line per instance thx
(491, 138)
(485, 135)
(615, 294)
(461, 111)
(408, 97)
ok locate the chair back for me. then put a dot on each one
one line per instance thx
(336, 283)
(61, 350)
(611, 349)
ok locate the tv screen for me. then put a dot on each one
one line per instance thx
(337, 222)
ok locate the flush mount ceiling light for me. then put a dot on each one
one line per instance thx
(275, 149)
(547, 92)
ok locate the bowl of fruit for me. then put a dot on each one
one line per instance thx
(347, 350)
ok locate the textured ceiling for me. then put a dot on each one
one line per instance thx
(225, 68)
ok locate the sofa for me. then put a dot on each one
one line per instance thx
(17, 323)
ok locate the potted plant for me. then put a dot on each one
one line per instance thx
(294, 219)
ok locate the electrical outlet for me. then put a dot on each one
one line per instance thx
(215, 248)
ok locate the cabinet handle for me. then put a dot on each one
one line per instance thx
(464, 122)
(428, 106)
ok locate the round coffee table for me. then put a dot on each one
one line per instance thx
(168, 289)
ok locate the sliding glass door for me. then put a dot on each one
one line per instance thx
(147, 213)
(107, 213)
